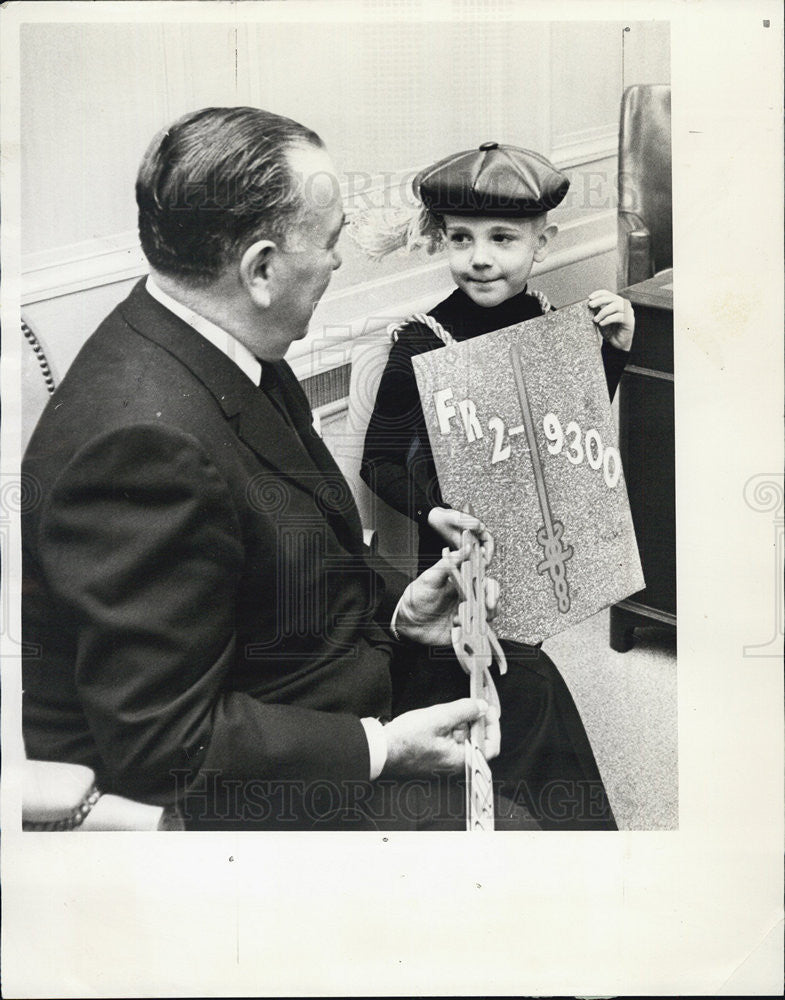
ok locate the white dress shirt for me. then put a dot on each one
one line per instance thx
(251, 366)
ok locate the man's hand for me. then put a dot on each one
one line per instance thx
(614, 317)
(450, 523)
(429, 604)
(432, 739)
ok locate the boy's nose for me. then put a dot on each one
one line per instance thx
(480, 256)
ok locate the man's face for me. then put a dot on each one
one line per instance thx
(309, 255)
(491, 257)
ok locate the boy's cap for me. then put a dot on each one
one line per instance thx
(492, 180)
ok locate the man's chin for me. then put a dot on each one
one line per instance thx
(299, 334)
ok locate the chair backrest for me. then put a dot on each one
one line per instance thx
(645, 167)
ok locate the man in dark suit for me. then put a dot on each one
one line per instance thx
(208, 630)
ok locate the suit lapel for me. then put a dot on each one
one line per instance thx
(298, 455)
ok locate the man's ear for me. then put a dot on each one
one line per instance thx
(257, 267)
(544, 241)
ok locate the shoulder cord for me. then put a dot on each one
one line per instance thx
(40, 357)
(545, 304)
(423, 318)
(435, 326)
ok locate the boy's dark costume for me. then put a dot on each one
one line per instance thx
(398, 463)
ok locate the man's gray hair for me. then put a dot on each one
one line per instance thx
(212, 183)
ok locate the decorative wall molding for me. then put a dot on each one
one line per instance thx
(48, 274)
(341, 317)
(369, 308)
(76, 268)
(328, 414)
(573, 149)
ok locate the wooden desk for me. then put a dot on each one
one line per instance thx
(646, 442)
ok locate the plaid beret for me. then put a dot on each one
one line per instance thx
(492, 180)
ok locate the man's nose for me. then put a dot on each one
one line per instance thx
(337, 260)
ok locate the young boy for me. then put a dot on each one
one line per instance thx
(489, 207)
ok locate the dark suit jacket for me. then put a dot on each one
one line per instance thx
(197, 595)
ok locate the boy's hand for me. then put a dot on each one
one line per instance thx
(451, 523)
(428, 606)
(614, 317)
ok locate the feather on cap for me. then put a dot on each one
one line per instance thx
(382, 231)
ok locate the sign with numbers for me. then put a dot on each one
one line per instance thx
(521, 428)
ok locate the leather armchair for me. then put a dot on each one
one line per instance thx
(645, 226)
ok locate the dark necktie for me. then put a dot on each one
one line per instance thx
(271, 387)
(338, 495)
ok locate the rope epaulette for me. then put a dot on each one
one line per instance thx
(425, 320)
(396, 329)
(545, 304)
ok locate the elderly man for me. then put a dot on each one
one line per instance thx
(209, 632)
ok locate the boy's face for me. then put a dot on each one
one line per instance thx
(491, 257)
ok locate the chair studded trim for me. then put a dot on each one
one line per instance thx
(74, 819)
(46, 371)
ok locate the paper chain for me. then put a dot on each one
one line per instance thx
(476, 645)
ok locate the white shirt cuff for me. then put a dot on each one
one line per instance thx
(394, 620)
(377, 745)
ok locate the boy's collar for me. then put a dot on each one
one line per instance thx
(464, 318)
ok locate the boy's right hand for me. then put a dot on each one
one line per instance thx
(451, 523)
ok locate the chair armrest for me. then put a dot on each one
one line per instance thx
(635, 250)
(112, 812)
(53, 792)
(60, 796)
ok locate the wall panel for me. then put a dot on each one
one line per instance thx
(586, 83)
(91, 98)
(386, 98)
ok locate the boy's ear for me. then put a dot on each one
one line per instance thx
(257, 271)
(544, 241)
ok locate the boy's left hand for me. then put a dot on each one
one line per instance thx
(614, 317)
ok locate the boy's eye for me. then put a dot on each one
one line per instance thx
(459, 239)
(503, 238)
